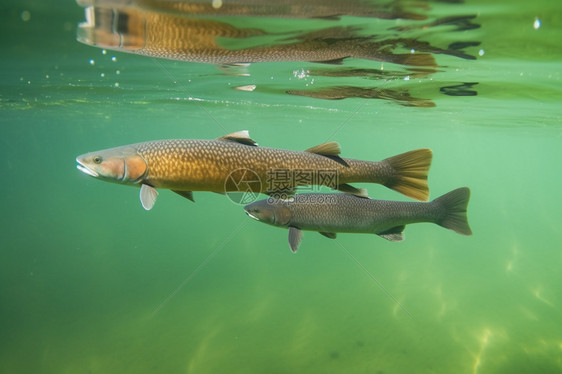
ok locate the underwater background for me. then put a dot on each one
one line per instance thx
(92, 283)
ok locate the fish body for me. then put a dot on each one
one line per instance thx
(320, 9)
(401, 96)
(224, 164)
(329, 214)
(164, 35)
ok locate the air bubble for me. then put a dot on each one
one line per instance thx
(25, 15)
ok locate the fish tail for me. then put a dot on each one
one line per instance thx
(453, 207)
(410, 173)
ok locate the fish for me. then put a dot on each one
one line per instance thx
(462, 89)
(332, 213)
(460, 23)
(167, 36)
(375, 74)
(401, 96)
(320, 9)
(235, 162)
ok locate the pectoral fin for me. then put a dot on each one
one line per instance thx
(242, 137)
(148, 196)
(347, 188)
(295, 237)
(331, 235)
(394, 234)
(187, 194)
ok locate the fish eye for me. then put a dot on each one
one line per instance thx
(97, 160)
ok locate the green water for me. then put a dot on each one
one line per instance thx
(92, 283)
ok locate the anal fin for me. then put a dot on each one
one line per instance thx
(331, 235)
(347, 188)
(187, 194)
(394, 234)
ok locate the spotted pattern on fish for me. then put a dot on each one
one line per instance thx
(330, 214)
(221, 165)
(167, 36)
(195, 165)
(348, 213)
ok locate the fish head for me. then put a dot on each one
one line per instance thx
(271, 211)
(107, 27)
(119, 165)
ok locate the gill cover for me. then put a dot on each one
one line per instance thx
(274, 212)
(118, 165)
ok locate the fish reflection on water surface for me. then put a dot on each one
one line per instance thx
(210, 41)
(243, 32)
(400, 96)
(321, 9)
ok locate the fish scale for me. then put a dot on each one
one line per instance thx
(211, 161)
(165, 35)
(234, 163)
(347, 213)
(329, 214)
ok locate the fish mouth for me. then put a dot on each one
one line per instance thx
(252, 216)
(84, 169)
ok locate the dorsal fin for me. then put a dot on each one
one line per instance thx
(242, 137)
(326, 149)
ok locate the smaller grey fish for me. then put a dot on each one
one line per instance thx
(332, 213)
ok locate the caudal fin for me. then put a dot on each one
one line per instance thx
(453, 207)
(410, 173)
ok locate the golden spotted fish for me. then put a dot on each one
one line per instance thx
(329, 214)
(169, 36)
(320, 9)
(234, 162)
